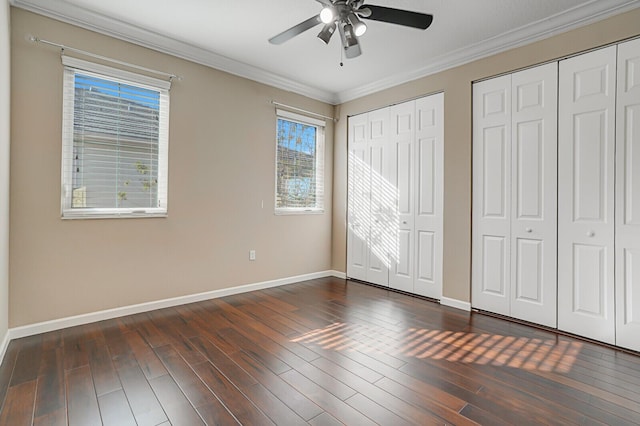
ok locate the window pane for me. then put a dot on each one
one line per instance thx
(296, 165)
(115, 144)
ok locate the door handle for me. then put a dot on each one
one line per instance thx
(529, 230)
(591, 234)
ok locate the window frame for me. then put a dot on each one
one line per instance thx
(320, 126)
(73, 66)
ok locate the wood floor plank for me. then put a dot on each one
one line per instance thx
(18, 406)
(324, 399)
(211, 410)
(214, 414)
(235, 401)
(56, 418)
(423, 411)
(236, 342)
(151, 334)
(52, 340)
(7, 366)
(562, 396)
(194, 389)
(146, 357)
(28, 357)
(174, 403)
(145, 406)
(264, 314)
(379, 413)
(50, 392)
(223, 363)
(348, 364)
(331, 384)
(105, 377)
(82, 402)
(75, 352)
(325, 419)
(273, 407)
(115, 409)
(178, 331)
(295, 400)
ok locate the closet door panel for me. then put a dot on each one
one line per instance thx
(491, 214)
(358, 218)
(428, 164)
(628, 197)
(534, 194)
(586, 149)
(402, 134)
(383, 200)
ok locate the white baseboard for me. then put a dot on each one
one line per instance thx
(57, 324)
(338, 274)
(4, 345)
(455, 303)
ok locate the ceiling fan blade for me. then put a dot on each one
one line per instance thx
(295, 30)
(399, 17)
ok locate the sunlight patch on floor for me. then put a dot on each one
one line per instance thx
(548, 355)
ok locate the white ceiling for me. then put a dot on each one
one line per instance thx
(232, 35)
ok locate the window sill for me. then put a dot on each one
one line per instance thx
(285, 212)
(112, 214)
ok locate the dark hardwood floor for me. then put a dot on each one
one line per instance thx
(321, 352)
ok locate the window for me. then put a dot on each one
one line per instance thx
(115, 142)
(299, 164)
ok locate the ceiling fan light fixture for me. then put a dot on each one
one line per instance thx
(326, 32)
(327, 15)
(359, 27)
(350, 43)
(348, 36)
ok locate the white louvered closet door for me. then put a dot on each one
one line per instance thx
(627, 233)
(429, 196)
(586, 154)
(534, 183)
(359, 199)
(491, 210)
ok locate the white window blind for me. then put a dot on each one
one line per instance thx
(299, 163)
(115, 142)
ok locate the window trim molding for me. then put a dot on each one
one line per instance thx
(320, 126)
(130, 77)
(73, 66)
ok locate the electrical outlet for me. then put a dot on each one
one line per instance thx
(252, 255)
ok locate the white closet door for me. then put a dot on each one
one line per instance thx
(586, 193)
(534, 194)
(382, 211)
(628, 197)
(491, 212)
(429, 167)
(402, 116)
(359, 199)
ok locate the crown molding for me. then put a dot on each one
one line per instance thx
(576, 17)
(579, 16)
(81, 17)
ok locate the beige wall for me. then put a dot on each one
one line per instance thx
(221, 168)
(4, 167)
(456, 84)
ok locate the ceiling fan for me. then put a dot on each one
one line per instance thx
(345, 16)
